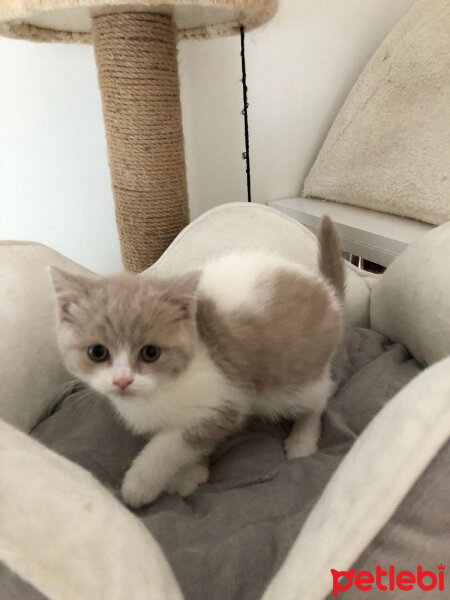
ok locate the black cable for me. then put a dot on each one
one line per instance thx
(246, 154)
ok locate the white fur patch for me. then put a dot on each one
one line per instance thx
(232, 279)
(181, 403)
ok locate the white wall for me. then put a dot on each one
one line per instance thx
(54, 180)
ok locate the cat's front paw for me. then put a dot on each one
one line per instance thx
(138, 490)
(186, 481)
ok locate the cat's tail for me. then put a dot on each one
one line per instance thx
(331, 264)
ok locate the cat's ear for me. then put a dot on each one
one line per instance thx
(69, 289)
(182, 293)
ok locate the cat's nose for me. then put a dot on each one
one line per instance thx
(122, 382)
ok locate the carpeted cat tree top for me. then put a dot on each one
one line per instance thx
(135, 49)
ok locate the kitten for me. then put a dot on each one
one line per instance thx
(189, 358)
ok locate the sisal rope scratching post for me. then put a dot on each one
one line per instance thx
(135, 49)
(138, 74)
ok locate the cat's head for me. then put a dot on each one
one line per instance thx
(125, 335)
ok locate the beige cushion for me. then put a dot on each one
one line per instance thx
(31, 371)
(389, 147)
(411, 302)
(63, 532)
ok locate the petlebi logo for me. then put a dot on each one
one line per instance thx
(389, 580)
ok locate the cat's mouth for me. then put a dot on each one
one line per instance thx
(127, 393)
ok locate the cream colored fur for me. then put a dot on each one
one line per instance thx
(389, 148)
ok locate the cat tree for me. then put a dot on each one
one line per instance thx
(136, 54)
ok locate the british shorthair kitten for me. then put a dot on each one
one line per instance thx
(189, 358)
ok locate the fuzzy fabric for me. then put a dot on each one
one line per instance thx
(69, 20)
(389, 147)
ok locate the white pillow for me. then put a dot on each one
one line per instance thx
(64, 533)
(389, 147)
(411, 302)
(31, 369)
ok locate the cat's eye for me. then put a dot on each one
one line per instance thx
(150, 353)
(98, 353)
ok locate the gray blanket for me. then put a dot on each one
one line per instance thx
(229, 538)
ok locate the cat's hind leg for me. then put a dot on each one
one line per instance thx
(305, 434)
